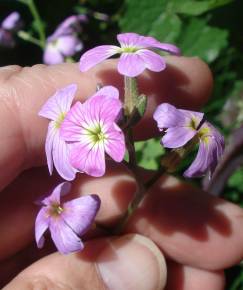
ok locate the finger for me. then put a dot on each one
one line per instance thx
(190, 226)
(23, 92)
(181, 277)
(130, 262)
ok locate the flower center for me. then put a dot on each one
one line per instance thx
(97, 134)
(204, 134)
(193, 123)
(129, 49)
(59, 120)
(56, 210)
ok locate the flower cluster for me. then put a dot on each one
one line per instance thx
(9, 26)
(64, 42)
(78, 138)
(81, 135)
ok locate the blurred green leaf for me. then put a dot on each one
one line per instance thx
(166, 27)
(192, 7)
(202, 40)
(149, 153)
(140, 14)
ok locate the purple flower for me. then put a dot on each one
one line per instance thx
(57, 150)
(137, 54)
(92, 130)
(66, 221)
(10, 25)
(180, 126)
(64, 42)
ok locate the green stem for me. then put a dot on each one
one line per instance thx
(27, 37)
(39, 24)
(131, 95)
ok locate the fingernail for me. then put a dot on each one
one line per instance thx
(132, 262)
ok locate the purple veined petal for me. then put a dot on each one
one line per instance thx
(201, 163)
(152, 60)
(41, 225)
(115, 145)
(135, 40)
(88, 158)
(196, 117)
(80, 213)
(107, 91)
(177, 137)
(167, 47)
(52, 55)
(60, 190)
(71, 128)
(131, 64)
(59, 103)
(68, 45)
(96, 55)
(12, 21)
(51, 132)
(168, 116)
(61, 158)
(101, 109)
(65, 239)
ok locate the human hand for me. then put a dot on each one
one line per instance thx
(199, 234)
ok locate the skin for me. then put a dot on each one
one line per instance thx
(196, 234)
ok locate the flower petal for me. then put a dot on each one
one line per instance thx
(41, 225)
(79, 213)
(201, 163)
(68, 45)
(59, 103)
(115, 144)
(52, 55)
(96, 55)
(168, 116)
(61, 158)
(131, 64)
(12, 22)
(107, 91)
(139, 41)
(60, 190)
(88, 158)
(177, 136)
(64, 237)
(152, 60)
(52, 131)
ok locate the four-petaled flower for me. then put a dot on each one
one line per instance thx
(180, 126)
(66, 221)
(64, 42)
(91, 128)
(57, 150)
(10, 25)
(137, 54)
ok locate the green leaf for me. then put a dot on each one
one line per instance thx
(202, 40)
(140, 14)
(166, 27)
(192, 7)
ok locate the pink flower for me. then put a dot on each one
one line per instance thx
(180, 126)
(10, 25)
(91, 128)
(66, 221)
(137, 54)
(57, 150)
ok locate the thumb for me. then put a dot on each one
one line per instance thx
(130, 262)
